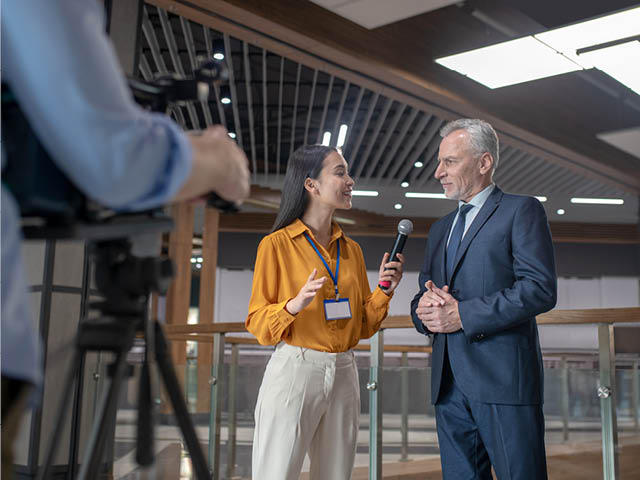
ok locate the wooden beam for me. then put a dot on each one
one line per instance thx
(179, 294)
(369, 224)
(206, 302)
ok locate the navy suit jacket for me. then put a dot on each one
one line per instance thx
(504, 276)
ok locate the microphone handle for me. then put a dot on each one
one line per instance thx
(398, 246)
(401, 239)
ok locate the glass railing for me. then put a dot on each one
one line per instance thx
(397, 429)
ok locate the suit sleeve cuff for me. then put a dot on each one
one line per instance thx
(472, 334)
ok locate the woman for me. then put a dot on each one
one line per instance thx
(311, 298)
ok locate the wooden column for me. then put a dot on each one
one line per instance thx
(206, 302)
(178, 296)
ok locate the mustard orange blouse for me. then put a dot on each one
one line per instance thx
(284, 262)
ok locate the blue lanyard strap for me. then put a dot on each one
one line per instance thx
(333, 277)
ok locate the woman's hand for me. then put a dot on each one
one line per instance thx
(390, 272)
(306, 294)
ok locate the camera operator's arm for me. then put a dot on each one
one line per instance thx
(64, 73)
(218, 164)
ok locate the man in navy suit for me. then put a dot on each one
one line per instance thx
(488, 271)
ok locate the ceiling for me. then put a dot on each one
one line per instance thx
(376, 13)
(384, 85)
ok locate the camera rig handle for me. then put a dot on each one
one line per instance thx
(164, 92)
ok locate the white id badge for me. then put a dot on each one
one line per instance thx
(337, 309)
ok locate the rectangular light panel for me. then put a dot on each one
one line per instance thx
(621, 62)
(424, 195)
(592, 32)
(364, 193)
(508, 63)
(523, 59)
(598, 201)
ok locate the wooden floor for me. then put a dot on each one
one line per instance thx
(572, 461)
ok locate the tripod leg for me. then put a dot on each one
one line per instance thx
(61, 414)
(179, 406)
(144, 450)
(106, 411)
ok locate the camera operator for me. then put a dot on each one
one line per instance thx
(66, 78)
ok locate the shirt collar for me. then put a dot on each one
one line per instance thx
(297, 227)
(480, 198)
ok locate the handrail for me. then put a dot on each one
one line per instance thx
(198, 337)
(554, 317)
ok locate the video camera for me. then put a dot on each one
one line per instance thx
(50, 204)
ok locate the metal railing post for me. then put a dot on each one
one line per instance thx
(564, 377)
(375, 407)
(635, 394)
(231, 406)
(607, 394)
(404, 407)
(217, 364)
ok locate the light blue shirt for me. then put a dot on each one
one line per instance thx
(476, 202)
(62, 69)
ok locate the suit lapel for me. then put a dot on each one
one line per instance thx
(483, 215)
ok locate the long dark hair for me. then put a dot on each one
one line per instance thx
(306, 161)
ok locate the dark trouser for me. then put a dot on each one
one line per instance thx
(473, 436)
(14, 401)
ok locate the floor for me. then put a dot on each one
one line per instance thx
(579, 458)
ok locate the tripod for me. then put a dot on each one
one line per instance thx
(126, 282)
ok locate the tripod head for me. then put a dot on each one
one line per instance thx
(126, 280)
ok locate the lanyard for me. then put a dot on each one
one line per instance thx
(333, 277)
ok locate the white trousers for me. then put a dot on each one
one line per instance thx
(309, 402)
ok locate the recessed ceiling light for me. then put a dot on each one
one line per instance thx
(541, 198)
(508, 63)
(568, 40)
(364, 193)
(560, 211)
(225, 100)
(232, 134)
(424, 195)
(418, 164)
(584, 45)
(397, 206)
(619, 61)
(598, 201)
(193, 260)
(217, 48)
(404, 184)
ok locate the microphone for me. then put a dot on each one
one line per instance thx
(405, 227)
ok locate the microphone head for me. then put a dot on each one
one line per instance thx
(405, 227)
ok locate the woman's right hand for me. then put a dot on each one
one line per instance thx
(306, 294)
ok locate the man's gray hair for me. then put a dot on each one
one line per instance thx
(481, 134)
